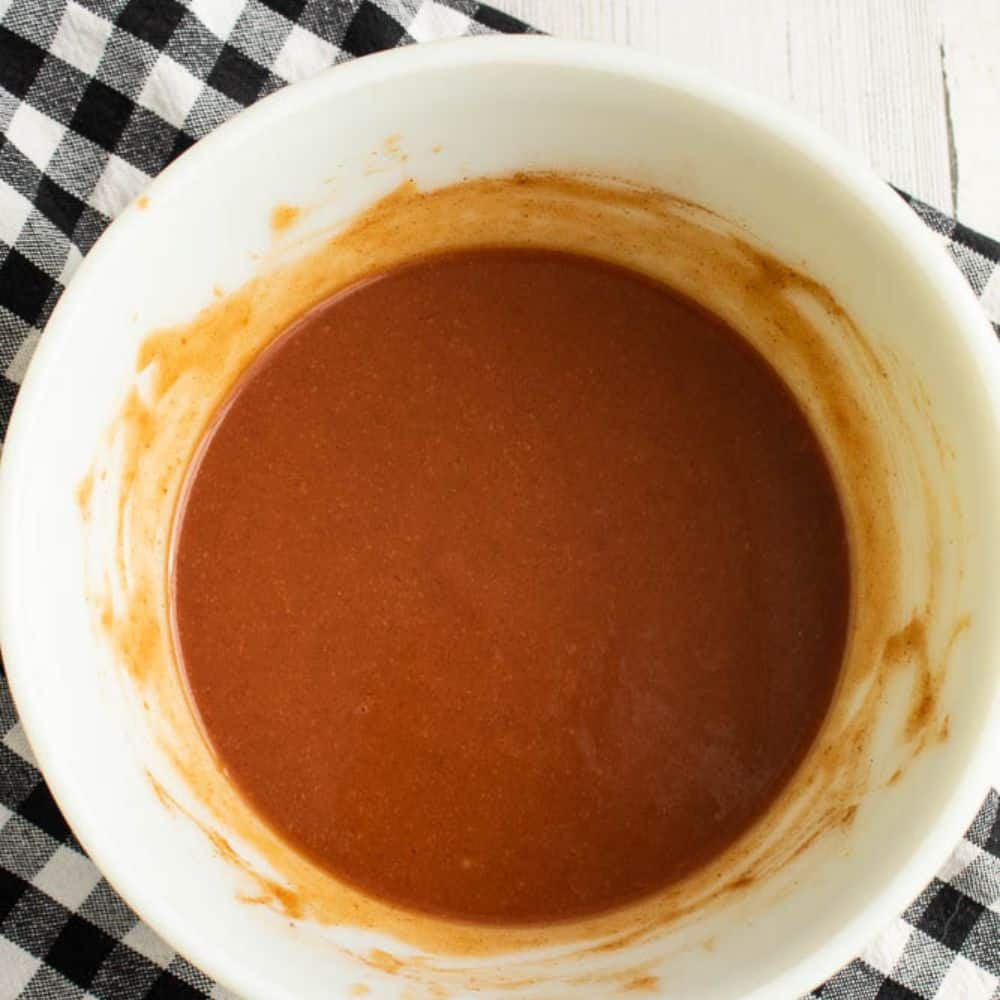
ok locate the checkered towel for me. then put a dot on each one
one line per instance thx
(96, 97)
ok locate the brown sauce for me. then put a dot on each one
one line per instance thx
(509, 586)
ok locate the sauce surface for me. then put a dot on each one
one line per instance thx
(511, 587)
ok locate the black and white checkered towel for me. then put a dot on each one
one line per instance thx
(98, 96)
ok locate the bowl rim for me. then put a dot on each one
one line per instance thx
(927, 254)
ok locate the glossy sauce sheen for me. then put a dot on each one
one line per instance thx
(510, 586)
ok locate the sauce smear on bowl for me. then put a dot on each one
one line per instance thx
(511, 587)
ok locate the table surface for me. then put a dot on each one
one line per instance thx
(913, 86)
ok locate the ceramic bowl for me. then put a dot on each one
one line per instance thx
(437, 114)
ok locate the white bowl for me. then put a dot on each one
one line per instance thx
(466, 109)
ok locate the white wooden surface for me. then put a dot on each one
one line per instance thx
(911, 85)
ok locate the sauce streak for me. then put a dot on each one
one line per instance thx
(511, 587)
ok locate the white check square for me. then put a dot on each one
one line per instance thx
(35, 134)
(15, 739)
(990, 301)
(966, 981)
(303, 55)
(221, 993)
(120, 182)
(18, 366)
(81, 38)
(960, 859)
(219, 16)
(887, 949)
(14, 212)
(150, 945)
(434, 21)
(16, 968)
(170, 91)
(68, 877)
(72, 262)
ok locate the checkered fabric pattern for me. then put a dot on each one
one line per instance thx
(96, 97)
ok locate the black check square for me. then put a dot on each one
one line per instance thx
(20, 61)
(170, 987)
(237, 76)
(153, 21)
(950, 916)
(371, 30)
(891, 990)
(79, 950)
(59, 206)
(39, 807)
(12, 888)
(292, 9)
(182, 143)
(497, 20)
(26, 289)
(102, 115)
